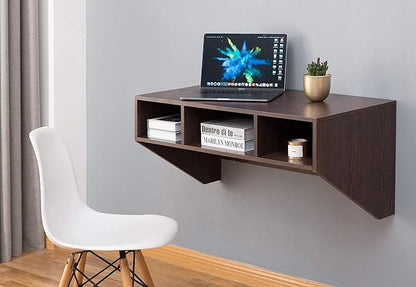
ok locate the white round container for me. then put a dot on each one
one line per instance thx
(296, 148)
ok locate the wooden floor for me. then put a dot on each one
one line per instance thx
(44, 269)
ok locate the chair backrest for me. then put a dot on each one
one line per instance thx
(60, 198)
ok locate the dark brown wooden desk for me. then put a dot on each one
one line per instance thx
(351, 140)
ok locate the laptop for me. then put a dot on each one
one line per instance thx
(242, 67)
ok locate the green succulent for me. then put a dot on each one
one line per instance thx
(317, 68)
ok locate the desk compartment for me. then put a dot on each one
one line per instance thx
(195, 116)
(273, 135)
(148, 110)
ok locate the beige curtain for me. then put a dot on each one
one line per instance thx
(20, 221)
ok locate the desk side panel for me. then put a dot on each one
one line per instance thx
(205, 168)
(356, 154)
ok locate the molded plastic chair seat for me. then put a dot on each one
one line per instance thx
(70, 223)
(93, 230)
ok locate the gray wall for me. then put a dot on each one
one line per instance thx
(284, 221)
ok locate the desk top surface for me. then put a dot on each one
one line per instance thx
(292, 104)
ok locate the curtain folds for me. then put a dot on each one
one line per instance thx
(20, 220)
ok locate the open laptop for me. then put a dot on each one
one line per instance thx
(242, 67)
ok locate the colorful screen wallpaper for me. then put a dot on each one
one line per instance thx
(238, 60)
(241, 62)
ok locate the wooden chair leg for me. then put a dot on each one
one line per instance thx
(81, 267)
(66, 275)
(144, 273)
(125, 273)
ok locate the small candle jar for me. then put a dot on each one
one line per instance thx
(296, 148)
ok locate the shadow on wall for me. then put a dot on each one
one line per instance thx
(296, 66)
(303, 214)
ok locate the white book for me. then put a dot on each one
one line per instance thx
(168, 123)
(233, 128)
(227, 143)
(164, 135)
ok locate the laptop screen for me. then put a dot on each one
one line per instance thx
(244, 61)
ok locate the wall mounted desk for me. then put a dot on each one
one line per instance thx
(351, 140)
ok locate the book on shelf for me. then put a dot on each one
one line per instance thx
(168, 123)
(232, 128)
(227, 143)
(164, 135)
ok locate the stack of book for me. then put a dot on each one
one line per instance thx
(167, 128)
(235, 134)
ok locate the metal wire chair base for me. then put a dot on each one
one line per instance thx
(112, 266)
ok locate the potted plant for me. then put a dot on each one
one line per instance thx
(317, 82)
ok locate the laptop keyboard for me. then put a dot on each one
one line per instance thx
(236, 92)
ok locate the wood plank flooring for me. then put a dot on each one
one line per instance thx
(44, 269)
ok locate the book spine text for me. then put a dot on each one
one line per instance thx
(226, 143)
(227, 132)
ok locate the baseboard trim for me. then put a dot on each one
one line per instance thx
(227, 269)
(48, 244)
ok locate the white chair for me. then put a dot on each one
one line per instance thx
(69, 223)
